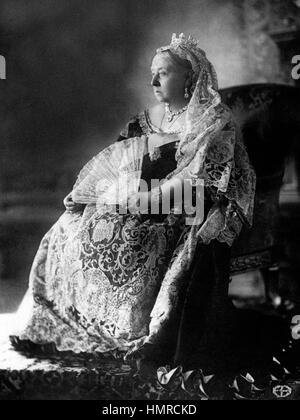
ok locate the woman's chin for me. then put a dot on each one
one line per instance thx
(160, 98)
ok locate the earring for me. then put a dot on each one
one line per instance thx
(186, 93)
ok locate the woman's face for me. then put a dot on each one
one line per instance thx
(168, 79)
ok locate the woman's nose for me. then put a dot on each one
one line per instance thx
(154, 81)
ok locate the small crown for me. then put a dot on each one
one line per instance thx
(190, 43)
(187, 48)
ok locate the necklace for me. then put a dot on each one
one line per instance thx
(171, 115)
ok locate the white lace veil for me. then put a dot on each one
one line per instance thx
(211, 149)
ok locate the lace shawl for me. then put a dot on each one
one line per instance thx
(211, 149)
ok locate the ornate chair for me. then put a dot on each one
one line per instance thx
(269, 116)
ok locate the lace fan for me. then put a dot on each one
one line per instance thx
(113, 175)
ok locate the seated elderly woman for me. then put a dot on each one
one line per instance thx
(113, 282)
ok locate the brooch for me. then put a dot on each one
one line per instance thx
(155, 154)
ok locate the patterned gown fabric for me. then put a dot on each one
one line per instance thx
(109, 283)
(95, 277)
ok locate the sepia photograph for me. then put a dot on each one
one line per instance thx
(149, 202)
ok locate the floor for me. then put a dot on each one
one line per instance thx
(11, 295)
(265, 328)
(23, 376)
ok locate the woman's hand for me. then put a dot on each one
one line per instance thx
(139, 203)
(71, 206)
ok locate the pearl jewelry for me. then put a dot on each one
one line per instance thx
(171, 115)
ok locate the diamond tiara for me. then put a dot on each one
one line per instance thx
(189, 43)
(186, 48)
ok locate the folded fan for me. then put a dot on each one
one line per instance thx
(113, 175)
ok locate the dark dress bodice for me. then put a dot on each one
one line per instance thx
(160, 167)
(157, 169)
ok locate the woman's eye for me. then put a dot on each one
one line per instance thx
(160, 74)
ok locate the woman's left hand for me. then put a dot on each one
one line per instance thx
(71, 206)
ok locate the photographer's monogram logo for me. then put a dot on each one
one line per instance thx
(2, 67)
(282, 391)
(296, 68)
